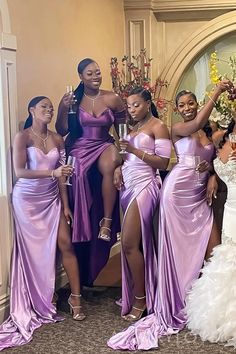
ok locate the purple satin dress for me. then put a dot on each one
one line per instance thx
(142, 183)
(36, 210)
(86, 194)
(185, 224)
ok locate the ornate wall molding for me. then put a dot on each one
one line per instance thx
(179, 5)
(190, 48)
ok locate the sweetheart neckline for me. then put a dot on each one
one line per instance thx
(95, 117)
(45, 153)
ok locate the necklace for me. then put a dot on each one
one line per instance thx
(93, 99)
(139, 126)
(43, 139)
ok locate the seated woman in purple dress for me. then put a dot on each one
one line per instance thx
(93, 195)
(148, 149)
(41, 214)
(185, 226)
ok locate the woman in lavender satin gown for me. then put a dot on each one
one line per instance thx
(148, 149)
(94, 198)
(41, 221)
(185, 226)
(211, 303)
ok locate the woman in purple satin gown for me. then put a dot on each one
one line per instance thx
(41, 222)
(185, 226)
(148, 149)
(93, 196)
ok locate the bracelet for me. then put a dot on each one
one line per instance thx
(211, 99)
(52, 175)
(144, 153)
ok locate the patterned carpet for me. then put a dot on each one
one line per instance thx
(90, 335)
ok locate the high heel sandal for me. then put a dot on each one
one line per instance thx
(80, 316)
(104, 235)
(133, 318)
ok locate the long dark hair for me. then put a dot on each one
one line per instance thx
(74, 125)
(146, 95)
(32, 103)
(226, 134)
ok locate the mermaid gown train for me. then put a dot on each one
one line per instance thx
(185, 224)
(36, 210)
(86, 193)
(142, 183)
(211, 304)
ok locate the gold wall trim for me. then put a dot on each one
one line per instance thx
(179, 5)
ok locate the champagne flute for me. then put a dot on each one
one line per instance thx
(232, 140)
(197, 162)
(122, 134)
(70, 90)
(71, 162)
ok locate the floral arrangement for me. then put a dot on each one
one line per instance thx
(226, 104)
(136, 72)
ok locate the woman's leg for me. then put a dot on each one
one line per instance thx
(214, 240)
(131, 239)
(70, 264)
(107, 163)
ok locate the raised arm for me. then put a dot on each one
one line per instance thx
(182, 129)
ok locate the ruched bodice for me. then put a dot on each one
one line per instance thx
(189, 146)
(96, 127)
(36, 210)
(134, 165)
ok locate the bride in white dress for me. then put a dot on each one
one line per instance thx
(211, 304)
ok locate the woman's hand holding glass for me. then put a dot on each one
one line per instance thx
(63, 171)
(69, 99)
(232, 141)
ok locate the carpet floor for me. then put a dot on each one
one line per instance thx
(90, 336)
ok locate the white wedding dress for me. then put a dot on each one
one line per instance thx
(211, 304)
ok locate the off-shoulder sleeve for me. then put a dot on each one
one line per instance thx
(163, 147)
(120, 117)
(62, 159)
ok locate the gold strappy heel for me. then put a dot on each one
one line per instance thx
(80, 316)
(103, 234)
(133, 318)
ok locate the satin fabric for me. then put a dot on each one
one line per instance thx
(86, 194)
(36, 210)
(185, 224)
(211, 303)
(142, 183)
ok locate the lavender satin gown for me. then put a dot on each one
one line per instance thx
(36, 210)
(185, 224)
(86, 194)
(142, 183)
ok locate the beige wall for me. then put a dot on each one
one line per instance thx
(54, 35)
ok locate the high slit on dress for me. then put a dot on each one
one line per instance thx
(142, 183)
(185, 224)
(85, 195)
